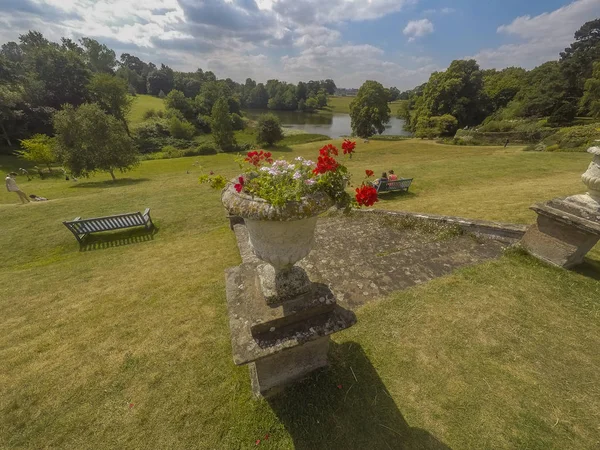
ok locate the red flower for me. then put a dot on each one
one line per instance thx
(366, 195)
(256, 158)
(257, 442)
(339, 386)
(239, 186)
(325, 164)
(369, 173)
(348, 146)
(328, 150)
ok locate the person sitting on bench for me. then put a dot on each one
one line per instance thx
(384, 177)
(392, 176)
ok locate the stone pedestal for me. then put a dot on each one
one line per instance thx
(280, 342)
(566, 230)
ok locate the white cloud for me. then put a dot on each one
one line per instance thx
(418, 28)
(430, 12)
(544, 36)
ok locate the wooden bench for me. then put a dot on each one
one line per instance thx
(401, 184)
(81, 228)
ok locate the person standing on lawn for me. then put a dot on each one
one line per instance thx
(11, 186)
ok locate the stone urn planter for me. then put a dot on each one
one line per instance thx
(280, 236)
(591, 178)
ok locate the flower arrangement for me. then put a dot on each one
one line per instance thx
(279, 181)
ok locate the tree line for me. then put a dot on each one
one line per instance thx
(502, 100)
(38, 77)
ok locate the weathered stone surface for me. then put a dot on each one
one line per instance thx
(259, 330)
(564, 233)
(365, 257)
(591, 178)
(269, 375)
(278, 286)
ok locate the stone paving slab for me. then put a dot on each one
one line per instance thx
(363, 258)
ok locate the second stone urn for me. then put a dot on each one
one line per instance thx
(280, 236)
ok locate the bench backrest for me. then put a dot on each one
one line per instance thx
(402, 183)
(82, 226)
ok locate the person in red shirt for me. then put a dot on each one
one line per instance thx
(392, 176)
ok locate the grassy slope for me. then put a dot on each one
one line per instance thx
(501, 355)
(141, 104)
(342, 105)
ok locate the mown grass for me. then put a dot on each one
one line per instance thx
(141, 104)
(126, 344)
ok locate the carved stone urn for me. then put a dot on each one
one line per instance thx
(280, 236)
(591, 178)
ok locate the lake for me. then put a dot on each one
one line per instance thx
(332, 125)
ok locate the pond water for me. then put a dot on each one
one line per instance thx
(332, 125)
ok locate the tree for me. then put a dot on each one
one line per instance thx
(590, 102)
(181, 128)
(10, 111)
(563, 115)
(98, 57)
(111, 94)
(221, 126)
(502, 86)
(39, 149)
(431, 127)
(329, 86)
(160, 80)
(369, 111)
(269, 129)
(89, 140)
(394, 94)
(404, 113)
(544, 92)
(578, 59)
(458, 91)
(177, 100)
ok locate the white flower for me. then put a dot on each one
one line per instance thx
(297, 175)
(308, 163)
(309, 182)
(265, 169)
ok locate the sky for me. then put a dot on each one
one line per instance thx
(396, 42)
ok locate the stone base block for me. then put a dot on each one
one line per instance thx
(558, 243)
(269, 375)
(283, 285)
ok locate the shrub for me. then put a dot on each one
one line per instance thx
(563, 115)
(573, 139)
(237, 122)
(203, 123)
(181, 128)
(269, 129)
(431, 127)
(205, 149)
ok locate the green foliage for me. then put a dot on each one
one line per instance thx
(215, 182)
(161, 94)
(178, 101)
(573, 139)
(590, 101)
(153, 114)
(458, 91)
(221, 126)
(269, 129)
(98, 57)
(564, 115)
(89, 140)
(577, 61)
(501, 86)
(544, 92)
(403, 113)
(111, 94)
(237, 122)
(369, 111)
(181, 128)
(39, 149)
(437, 126)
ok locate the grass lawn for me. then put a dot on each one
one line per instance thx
(141, 104)
(126, 344)
(342, 105)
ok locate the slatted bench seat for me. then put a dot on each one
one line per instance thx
(81, 228)
(401, 184)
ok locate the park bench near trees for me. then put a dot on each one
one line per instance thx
(81, 228)
(394, 185)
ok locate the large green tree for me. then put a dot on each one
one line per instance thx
(269, 129)
(369, 111)
(544, 92)
(458, 91)
(110, 93)
(89, 140)
(501, 86)
(590, 102)
(577, 60)
(221, 125)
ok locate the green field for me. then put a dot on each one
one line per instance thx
(141, 104)
(126, 344)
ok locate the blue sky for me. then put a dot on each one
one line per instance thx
(397, 42)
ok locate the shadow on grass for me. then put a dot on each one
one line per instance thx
(110, 183)
(395, 195)
(117, 239)
(590, 268)
(347, 407)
